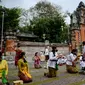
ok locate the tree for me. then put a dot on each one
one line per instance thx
(24, 18)
(44, 9)
(47, 19)
(11, 18)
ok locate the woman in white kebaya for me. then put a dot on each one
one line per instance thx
(71, 62)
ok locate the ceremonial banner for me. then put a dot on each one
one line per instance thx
(10, 45)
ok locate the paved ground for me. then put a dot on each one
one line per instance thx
(63, 78)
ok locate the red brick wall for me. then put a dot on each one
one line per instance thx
(82, 30)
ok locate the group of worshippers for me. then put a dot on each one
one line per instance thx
(72, 58)
(20, 62)
(51, 57)
(70, 61)
(44, 56)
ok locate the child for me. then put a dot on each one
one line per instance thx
(37, 60)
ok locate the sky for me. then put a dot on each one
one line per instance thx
(66, 5)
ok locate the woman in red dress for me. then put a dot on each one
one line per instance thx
(17, 57)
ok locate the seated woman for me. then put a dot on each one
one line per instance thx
(37, 60)
(71, 62)
(23, 72)
(3, 71)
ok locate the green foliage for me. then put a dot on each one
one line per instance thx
(43, 18)
(24, 19)
(48, 20)
(11, 18)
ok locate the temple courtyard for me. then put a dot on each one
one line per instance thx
(63, 78)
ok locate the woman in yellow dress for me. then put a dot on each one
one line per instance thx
(23, 72)
(3, 69)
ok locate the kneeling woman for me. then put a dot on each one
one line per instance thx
(52, 63)
(37, 61)
(3, 71)
(23, 69)
(71, 62)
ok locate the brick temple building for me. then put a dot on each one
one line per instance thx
(78, 26)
